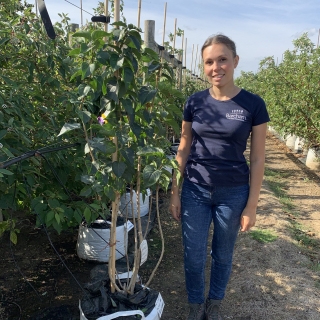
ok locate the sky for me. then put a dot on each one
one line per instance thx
(260, 28)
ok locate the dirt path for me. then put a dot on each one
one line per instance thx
(270, 280)
(276, 280)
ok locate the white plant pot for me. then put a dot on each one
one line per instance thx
(290, 141)
(313, 161)
(154, 315)
(93, 243)
(126, 206)
(297, 145)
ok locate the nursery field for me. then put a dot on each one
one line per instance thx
(276, 270)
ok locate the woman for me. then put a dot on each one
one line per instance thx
(218, 185)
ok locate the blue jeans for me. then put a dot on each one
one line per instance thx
(200, 205)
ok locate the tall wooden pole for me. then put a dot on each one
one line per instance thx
(318, 39)
(36, 7)
(164, 23)
(185, 62)
(139, 12)
(192, 60)
(115, 203)
(174, 35)
(116, 10)
(195, 60)
(81, 14)
(106, 13)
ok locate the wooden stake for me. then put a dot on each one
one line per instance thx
(36, 7)
(174, 35)
(164, 23)
(115, 204)
(139, 12)
(116, 10)
(81, 14)
(192, 60)
(185, 63)
(106, 13)
(195, 61)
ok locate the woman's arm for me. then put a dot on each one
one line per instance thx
(182, 156)
(257, 159)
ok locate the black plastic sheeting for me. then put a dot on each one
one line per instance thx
(100, 301)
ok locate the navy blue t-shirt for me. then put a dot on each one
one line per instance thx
(220, 130)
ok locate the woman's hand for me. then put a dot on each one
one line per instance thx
(175, 207)
(248, 218)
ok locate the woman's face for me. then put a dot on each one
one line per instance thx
(219, 64)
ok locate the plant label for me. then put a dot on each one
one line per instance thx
(129, 225)
(144, 251)
(159, 305)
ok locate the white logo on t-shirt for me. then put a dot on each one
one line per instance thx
(236, 115)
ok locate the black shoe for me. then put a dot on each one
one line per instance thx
(212, 309)
(196, 311)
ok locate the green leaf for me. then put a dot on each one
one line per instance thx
(87, 179)
(118, 168)
(113, 90)
(135, 41)
(86, 191)
(153, 67)
(82, 34)
(103, 57)
(5, 171)
(128, 155)
(87, 214)
(128, 106)
(74, 52)
(8, 81)
(13, 237)
(146, 94)
(85, 116)
(7, 152)
(68, 127)
(116, 61)
(147, 150)
(49, 216)
(109, 192)
(53, 203)
(127, 75)
(151, 53)
(4, 41)
(57, 217)
(173, 123)
(99, 34)
(118, 24)
(151, 175)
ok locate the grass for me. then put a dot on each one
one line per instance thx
(276, 181)
(264, 236)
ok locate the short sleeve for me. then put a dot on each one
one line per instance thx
(260, 114)
(187, 112)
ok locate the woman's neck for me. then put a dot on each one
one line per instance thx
(224, 93)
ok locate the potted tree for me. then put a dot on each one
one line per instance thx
(120, 119)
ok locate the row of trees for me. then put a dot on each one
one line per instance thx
(291, 90)
(54, 92)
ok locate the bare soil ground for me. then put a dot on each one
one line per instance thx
(274, 280)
